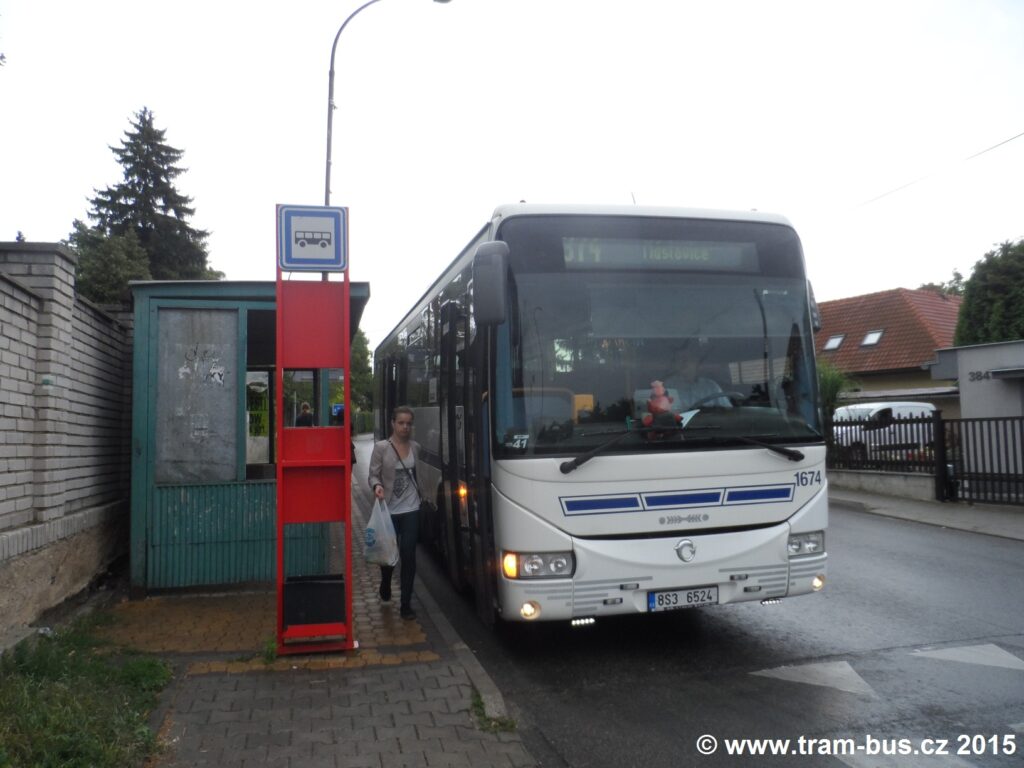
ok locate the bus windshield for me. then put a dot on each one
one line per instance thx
(692, 333)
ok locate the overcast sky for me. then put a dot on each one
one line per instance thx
(855, 120)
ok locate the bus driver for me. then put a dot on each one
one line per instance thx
(691, 387)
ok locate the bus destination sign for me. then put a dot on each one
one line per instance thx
(615, 253)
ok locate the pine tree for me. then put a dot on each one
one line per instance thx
(148, 211)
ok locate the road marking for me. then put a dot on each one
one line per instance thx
(831, 674)
(986, 655)
(1018, 727)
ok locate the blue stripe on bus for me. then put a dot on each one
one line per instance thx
(582, 505)
(784, 493)
(598, 505)
(683, 499)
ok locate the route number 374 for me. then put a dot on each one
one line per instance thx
(810, 477)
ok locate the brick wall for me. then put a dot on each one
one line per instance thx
(19, 313)
(98, 422)
(65, 424)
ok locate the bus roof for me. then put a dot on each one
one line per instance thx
(512, 210)
(545, 209)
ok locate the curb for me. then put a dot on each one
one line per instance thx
(859, 506)
(981, 526)
(494, 703)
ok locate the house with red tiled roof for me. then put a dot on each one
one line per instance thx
(885, 341)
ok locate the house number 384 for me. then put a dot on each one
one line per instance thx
(979, 375)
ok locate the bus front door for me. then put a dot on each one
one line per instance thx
(454, 508)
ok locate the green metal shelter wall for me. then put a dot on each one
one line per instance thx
(219, 531)
(224, 534)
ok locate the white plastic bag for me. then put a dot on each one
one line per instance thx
(381, 541)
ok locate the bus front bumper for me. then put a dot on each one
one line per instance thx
(615, 577)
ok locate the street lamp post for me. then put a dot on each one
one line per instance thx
(330, 94)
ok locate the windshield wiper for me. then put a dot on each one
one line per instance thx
(568, 466)
(790, 453)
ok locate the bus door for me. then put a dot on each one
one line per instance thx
(451, 396)
(390, 395)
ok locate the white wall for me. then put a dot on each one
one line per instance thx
(983, 396)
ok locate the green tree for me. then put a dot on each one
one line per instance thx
(107, 264)
(147, 205)
(362, 375)
(953, 287)
(993, 298)
(831, 383)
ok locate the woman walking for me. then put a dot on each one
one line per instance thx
(393, 480)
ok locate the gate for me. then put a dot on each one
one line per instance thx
(985, 459)
(978, 460)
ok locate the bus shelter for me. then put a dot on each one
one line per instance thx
(204, 449)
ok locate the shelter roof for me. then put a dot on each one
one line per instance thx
(212, 290)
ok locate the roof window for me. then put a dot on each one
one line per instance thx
(871, 338)
(834, 342)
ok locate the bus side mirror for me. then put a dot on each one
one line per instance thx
(490, 283)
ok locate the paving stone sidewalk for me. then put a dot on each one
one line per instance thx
(405, 697)
(411, 715)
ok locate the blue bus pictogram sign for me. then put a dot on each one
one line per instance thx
(312, 239)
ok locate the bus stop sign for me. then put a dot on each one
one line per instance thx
(312, 239)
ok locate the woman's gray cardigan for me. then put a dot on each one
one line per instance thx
(384, 465)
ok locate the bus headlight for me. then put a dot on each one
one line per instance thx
(538, 565)
(803, 544)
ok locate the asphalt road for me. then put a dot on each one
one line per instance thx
(900, 645)
(918, 635)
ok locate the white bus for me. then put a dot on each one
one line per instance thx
(572, 475)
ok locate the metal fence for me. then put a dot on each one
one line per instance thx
(984, 459)
(976, 460)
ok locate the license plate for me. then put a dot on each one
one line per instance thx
(677, 599)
